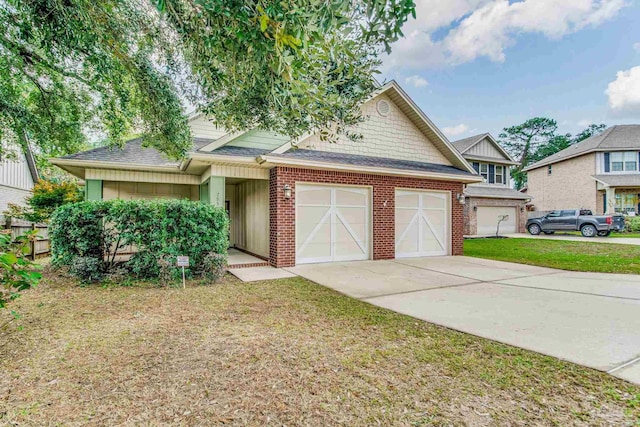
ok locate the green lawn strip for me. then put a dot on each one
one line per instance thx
(612, 235)
(277, 352)
(627, 235)
(565, 255)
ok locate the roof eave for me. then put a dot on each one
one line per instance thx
(271, 161)
(95, 164)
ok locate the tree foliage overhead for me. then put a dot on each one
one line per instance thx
(117, 67)
(536, 139)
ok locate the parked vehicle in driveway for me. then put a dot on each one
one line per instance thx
(581, 220)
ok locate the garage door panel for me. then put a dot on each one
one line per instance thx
(433, 201)
(422, 223)
(317, 251)
(315, 216)
(346, 197)
(343, 230)
(314, 196)
(487, 219)
(407, 200)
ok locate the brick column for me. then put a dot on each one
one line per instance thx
(281, 220)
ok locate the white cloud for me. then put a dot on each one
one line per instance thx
(456, 130)
(416, 81)
(486, 28)
(624, 92)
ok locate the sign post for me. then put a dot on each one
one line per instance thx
(183, 261)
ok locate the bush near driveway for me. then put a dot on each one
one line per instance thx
(86, 237)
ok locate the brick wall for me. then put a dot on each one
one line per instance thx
(282, 211)
(569, 186)
(470, 216)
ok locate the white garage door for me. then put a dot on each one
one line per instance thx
(488, 219)
(332, 223)
(422, 223)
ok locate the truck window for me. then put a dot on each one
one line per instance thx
(571, 212)
(585, 212)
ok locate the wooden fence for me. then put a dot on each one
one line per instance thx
(39, 247)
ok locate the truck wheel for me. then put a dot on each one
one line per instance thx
(588, 230)
(534, 229)
(604, 233)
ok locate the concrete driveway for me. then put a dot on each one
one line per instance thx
(591, 319)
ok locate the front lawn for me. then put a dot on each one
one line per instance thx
(566, 255)
(614, 235)
(285, 352)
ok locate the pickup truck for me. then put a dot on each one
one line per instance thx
(576, 220)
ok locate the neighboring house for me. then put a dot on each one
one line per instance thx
(394, 193)
(17, 177)
(601, 173)
(492, 198)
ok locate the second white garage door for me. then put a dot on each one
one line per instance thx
(488, 219)
(422, 223)
(332, 223)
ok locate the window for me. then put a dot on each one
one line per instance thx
(567, 213)
(626, 203)
(484, 171)
(549, 169)
(499, 174)
(623, 161)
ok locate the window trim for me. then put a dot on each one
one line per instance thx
(496, 174)
(622, 159)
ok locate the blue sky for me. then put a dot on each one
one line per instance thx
(478, 66)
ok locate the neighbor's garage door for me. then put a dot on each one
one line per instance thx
(332, 223)
(422, 223)
(488, 219)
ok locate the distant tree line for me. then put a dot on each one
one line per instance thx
(537, 139)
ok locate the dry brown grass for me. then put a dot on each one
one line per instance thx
(285, 352)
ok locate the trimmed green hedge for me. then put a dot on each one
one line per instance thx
(85, 237)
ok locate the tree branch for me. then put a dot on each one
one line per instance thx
(32, 57)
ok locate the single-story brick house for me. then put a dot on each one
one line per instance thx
(492, 198)
(397, 192)
(601, 173)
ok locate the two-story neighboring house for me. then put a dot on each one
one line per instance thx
(494, 197)
(17, 177)
(601, 173)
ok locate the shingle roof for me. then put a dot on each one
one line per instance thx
(622, 180)
(133, 153)
(358, 160)
(227, 150)
(463, 145)
(620, 137)
(494, 192)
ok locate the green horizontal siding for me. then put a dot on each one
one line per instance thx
(259, 139)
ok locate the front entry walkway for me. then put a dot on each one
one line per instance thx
(587, 318)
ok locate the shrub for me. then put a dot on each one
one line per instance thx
(17, 273)
(214, 266)
(159, 230)
(87, 268)
(46, 197)
(632, 224)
